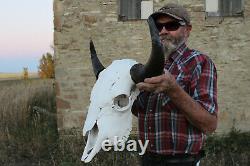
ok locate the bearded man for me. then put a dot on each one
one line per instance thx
(176, 109)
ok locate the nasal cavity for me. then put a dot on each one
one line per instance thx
(121, 100)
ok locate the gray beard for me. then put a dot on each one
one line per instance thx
(171, 46)
(169, 49)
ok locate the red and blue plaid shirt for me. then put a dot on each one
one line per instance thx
(160, 122)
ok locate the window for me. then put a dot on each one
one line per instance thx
(129, 10)
(224, 8)
(231, 7)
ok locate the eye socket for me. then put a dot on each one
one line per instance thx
(121, 100)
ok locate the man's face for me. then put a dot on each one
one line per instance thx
(172, 33)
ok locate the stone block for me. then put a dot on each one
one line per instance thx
(62, 104)
(57, 88)
(89, 19)
(71, 97)
(197, 8)
(58, 14)
(60, 71)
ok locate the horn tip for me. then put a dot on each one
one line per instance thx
(91, 44)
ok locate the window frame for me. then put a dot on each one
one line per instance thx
(221, 12)
(124, 13)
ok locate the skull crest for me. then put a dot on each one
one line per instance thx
(109, 114)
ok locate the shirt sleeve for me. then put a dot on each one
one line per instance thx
(204, 84)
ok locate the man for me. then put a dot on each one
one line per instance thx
(176, 109)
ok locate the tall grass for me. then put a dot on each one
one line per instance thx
(231, 149)
(28, 121)
(29, 132)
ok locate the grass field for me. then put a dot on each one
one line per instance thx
(29, 130)
(29, 133)
(25, 130)
(15, 76)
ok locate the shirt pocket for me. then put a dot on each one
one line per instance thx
(184, 80)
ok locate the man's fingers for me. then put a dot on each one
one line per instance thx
(155, 84)
(154, 80)
(146, 86)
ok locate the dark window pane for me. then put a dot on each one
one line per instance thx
(231, 7)
(130, 9)
(237, 7)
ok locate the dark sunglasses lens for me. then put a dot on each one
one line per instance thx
(173, 26)
(170, 26)
(159, 26)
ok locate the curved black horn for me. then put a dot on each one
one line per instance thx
(155, 63)
(96, 64)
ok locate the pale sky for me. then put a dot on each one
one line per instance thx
(26, 33)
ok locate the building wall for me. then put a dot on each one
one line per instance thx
(225, 40)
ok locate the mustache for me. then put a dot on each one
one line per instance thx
(167, 37)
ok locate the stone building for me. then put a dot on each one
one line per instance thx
(220, 30)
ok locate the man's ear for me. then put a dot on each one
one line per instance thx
(188, 29)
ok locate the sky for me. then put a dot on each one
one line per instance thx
(26, 33)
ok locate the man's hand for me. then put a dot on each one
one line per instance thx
(163, 83)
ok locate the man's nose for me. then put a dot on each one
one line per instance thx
(163, 31)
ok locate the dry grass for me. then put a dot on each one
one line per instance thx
(15, 76)
(26, 131)
(232, 149)
(29, 133)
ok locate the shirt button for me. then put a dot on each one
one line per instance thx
(150, 110)
(149, 128)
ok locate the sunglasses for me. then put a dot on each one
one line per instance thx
(170, 26)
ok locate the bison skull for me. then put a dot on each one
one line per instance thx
(109, 115)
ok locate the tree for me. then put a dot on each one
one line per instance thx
(46, 66)
(25, 73)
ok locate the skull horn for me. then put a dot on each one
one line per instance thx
(96, 64)
(155, 63)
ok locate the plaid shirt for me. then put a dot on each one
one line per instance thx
(160, 122)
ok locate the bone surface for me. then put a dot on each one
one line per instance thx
(109, 113)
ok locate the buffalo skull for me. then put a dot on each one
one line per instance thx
(109, 114)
